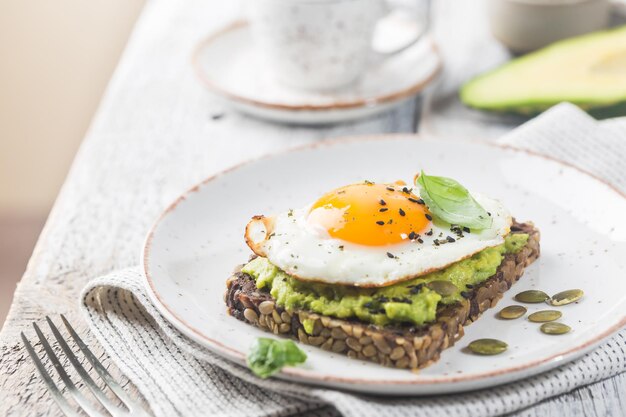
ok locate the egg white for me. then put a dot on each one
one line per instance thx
(310, 254)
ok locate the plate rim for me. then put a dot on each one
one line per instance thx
(393, 97)
(314, 377)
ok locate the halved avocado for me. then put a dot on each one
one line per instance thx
(589, 71)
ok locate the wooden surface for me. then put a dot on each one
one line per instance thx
(158, 132)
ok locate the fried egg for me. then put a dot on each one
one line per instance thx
(369, 235)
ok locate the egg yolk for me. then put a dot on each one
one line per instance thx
(371, 214)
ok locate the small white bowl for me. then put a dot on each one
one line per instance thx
(526, 25)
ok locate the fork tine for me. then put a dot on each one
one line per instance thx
(78, 396)
(52, 388)
(113, 408)
(106, 376)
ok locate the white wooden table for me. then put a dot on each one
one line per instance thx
(157, 132)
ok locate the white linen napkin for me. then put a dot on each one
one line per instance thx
(178, 377)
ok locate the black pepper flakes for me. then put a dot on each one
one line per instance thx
(382, 210)
(419, 239)
(402, 213)
(413, 235)
(450, 239)
(391, 255)
(428, 216)
(466, 229)
(380, 222)
(382, 202)
(391, 189)
(416, 289)
(430, 232)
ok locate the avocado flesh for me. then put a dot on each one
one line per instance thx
(589, 71)
(410, 301)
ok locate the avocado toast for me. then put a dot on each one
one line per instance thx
(396, 345)
(379, 273)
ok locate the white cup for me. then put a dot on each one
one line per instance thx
(318, 44)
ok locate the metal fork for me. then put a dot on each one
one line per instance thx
(133, 408)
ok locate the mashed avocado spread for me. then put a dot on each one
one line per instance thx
(405, 302)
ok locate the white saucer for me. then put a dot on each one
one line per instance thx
(228, 64)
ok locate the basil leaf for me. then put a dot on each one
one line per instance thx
(451, 202)
(268, 356)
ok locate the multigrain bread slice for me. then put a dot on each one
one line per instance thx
(400, 346)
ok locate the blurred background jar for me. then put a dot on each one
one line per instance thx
(526, 25)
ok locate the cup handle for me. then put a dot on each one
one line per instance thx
(389, 7)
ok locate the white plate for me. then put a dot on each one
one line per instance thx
(228, 65)
(196, 243)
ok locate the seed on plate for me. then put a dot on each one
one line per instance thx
(266, 307)
(566, 297)
(555, 328)
(512, 312)
(544, 316)
(532, 296)
(443, 288)
(284, 328)
(487, 346)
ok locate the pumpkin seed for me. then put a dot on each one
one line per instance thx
(566, 297)
(443, 288)
(532, 296)
(555, 328)
(512, 312)
(544, 316)
(487, 346)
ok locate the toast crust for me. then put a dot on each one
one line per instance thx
(400, 346)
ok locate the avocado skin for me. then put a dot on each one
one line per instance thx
(529, 111)
(532, 107)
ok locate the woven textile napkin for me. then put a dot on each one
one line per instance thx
(179, 377)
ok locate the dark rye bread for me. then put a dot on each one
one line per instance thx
(400, 346)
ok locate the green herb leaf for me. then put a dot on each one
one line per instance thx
(268, 356)
(451, 202)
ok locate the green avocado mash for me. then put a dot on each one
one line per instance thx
(405, 302)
